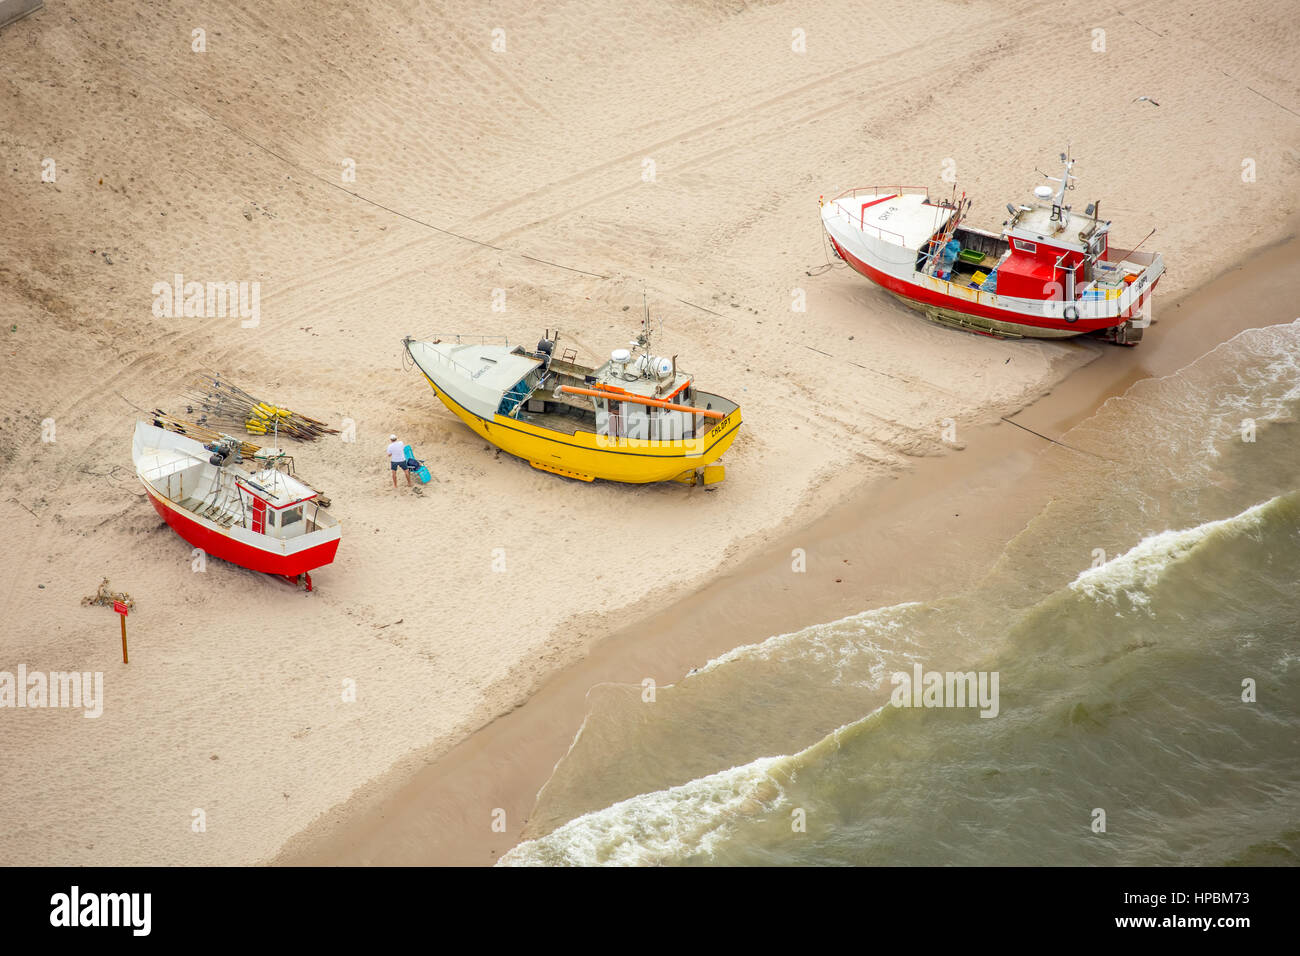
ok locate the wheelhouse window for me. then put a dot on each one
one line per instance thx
(290, 516)
(1024, 246)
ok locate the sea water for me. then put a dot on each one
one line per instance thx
(1144, 630)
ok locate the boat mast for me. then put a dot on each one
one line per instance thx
(1060, 211)
(1065, 179)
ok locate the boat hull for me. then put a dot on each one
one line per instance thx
(965, 310)
(220, 543)
(587, 456)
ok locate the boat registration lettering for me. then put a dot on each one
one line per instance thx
(719, 427)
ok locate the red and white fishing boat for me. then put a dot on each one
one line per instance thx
(262, 519)
(1049, 273)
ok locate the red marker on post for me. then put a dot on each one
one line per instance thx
(122, 609)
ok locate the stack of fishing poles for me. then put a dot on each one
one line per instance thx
(224, 404)
(199, 431)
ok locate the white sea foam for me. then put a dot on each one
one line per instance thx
(838, 644)
(663, 827)
(1135, 573)
(1193, 413)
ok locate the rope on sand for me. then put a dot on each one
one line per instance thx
(1082, 451)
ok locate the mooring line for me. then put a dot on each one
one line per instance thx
(1082, 451)
(701, 308)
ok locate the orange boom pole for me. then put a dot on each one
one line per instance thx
(629, 397)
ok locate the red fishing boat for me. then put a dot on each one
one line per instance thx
(1049, 273)
(261, 518)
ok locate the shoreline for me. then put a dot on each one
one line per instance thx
(435, 806)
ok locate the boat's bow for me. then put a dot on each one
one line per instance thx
(475, 376)
(157, 453)
(884, 227)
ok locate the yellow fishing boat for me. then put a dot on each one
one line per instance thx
(637, 418)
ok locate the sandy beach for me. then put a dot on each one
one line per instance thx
(599, 154)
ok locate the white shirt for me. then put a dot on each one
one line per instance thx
(397, 452)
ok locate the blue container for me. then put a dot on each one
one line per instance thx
(422, 472)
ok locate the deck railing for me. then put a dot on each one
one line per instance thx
(469, 338)
(458, 337)
(883, 190)
(877, 191)
(897, 237)
(1051, 308)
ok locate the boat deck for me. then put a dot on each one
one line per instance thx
(907, 219)
(557, 421)
(221, 513)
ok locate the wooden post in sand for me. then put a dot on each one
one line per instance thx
(121, 609)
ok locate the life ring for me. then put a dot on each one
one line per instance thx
(1071, 313)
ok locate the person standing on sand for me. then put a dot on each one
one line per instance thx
(397, 459)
